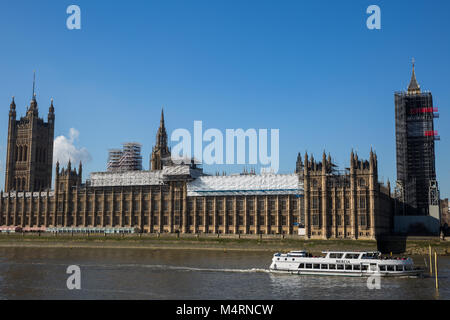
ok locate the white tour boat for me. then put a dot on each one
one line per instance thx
(343, 263)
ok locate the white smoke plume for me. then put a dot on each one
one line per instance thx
(64, 149)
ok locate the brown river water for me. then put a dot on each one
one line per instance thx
(40, 273)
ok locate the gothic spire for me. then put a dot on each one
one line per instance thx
(160, 152)
(161, 136)
(52, 108)
(33, 103)
(413, 87)
(12, 106)
(161, 122)
(33, 98)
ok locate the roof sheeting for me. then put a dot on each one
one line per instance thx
(142, 178)
(129, 178)
(245, 185)
(182, 170)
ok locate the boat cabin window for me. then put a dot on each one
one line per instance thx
(340, 267)
(364, 267)
(308, 266)
(398, 268)
(333, 266)
(293, 259)
(348, 267)
(316, 266)
(323, 266)
(335, 255)
(390, 268)
(301, 266)
(352, 256)
(278, 259)
(369, 255)
(382, 268)
(408, 267)
(297, 254)
(356, 267)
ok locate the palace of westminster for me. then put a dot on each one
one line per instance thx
(178, 197)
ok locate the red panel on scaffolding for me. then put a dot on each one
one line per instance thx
(431, 133)
(423, 110)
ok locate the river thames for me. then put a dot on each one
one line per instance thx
(40, 273)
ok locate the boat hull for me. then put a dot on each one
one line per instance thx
(344, 263)
(410, 273)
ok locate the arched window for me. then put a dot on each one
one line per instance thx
(362, 182)
(25, 153)
(19, 158)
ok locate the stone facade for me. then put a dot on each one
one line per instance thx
(30, 150)
(350, 204)
(181, 198)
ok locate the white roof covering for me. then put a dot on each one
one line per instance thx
(176, 170)
(245, 185)
(141, 178)
(183, 169)
(129, 178)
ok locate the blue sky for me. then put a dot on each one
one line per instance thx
(311, 69)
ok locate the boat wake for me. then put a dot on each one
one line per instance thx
(195, 269)
(156, 267)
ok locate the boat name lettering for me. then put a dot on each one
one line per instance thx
(342, 261)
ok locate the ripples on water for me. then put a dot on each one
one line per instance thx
(40, 273)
